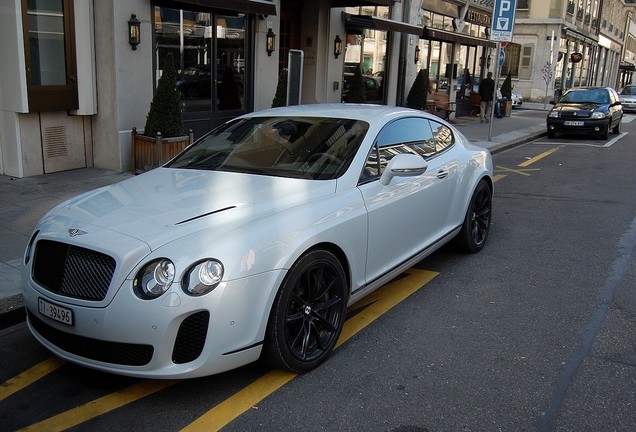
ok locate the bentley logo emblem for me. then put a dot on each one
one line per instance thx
(75, 232)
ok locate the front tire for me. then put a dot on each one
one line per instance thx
(617, 128)
(474, 232)
(308, 313)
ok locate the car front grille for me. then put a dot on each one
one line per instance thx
(125, 354)
(191, 338)
(72, 271)
(576, 114)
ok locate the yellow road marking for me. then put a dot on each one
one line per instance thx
(379, 302)
(29, 376)
(498, 177)
(99, 406)
(522, 172)
(539, 157)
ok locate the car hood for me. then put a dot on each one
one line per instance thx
(167, 203)
(586, 106)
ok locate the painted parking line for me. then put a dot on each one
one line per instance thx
(97, 407)
(367, 310)
(524, 171)
(371, 307)
(29, 376)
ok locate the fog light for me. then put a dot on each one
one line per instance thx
(597, 128)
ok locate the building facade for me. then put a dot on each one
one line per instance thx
(77, 83)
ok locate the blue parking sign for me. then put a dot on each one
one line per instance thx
(503, 20)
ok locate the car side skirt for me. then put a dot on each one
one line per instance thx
(400, 268)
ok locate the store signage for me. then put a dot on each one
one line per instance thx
(503, 20)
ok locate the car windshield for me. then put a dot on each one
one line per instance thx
(629, 90)
(599, 96)
(301, 147)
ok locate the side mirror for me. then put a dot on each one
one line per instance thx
(403, 165)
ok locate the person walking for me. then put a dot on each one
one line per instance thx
(486, 92)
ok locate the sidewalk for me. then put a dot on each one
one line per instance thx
(24, 201)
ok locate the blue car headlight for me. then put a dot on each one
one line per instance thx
(553, 114)
(203, 277)
(598, 115)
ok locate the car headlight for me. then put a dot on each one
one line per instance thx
(29, 248)
(553, 114)
(598, 115)
(154, 279)
(203, 277)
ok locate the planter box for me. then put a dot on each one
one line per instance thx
(506, 108)
(152, 152)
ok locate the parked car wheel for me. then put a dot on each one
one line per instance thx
(617, 128)
(604, 133)
(476, 226)
(308, 313)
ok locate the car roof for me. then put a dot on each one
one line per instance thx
(365, 112)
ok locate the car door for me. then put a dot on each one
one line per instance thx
(408, 214)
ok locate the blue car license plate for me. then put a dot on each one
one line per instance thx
(573, 123)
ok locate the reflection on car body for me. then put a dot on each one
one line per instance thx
(595, 110)
(252, 242)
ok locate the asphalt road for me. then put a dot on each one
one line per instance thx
(535, 333)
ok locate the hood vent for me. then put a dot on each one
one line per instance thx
(204, 215)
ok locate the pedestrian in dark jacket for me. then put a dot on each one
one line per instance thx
(486, 91)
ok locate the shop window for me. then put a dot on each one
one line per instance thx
(511, 63)
(210, 55)
(50, 55)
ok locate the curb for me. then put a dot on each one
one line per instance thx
(12, 311)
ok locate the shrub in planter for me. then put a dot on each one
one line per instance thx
(280, 98)
(418, 94)
(163, 134)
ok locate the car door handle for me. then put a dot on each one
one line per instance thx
(443, 173)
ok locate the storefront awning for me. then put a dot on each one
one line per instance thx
(447, 36)
(356, 24)
(580, 37)
(347, 3)
(263, 7)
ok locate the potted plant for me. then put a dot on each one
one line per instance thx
(418, 95)
(163, 134)
(506, 92)
(280, 98)
(356, 93)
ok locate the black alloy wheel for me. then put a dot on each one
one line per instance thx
(308, 313)
(474, 233)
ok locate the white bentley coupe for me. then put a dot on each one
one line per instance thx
(251, 243)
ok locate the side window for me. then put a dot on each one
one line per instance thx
(442, 136)
(50, 55)
(404, 136)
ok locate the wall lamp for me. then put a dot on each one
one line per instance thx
(269, 42)
(337, 46)
(417, 54)
(134, 34)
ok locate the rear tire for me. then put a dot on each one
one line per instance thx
(474, 232)
(308, 313)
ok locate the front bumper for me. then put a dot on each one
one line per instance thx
(174, 336)
(585, 125)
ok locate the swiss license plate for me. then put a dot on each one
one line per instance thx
(573, 123)
(55, 312)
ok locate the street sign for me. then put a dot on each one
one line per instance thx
(502, 57)
(503, 20)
